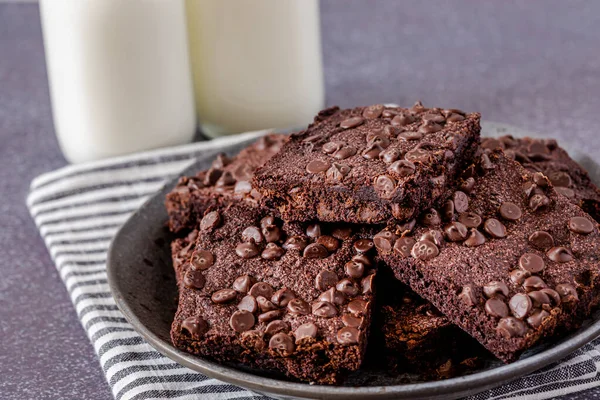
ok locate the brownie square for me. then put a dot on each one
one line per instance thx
(369, 164)
(546, 156)
(292, 298)
(509, 260)
(227, 180)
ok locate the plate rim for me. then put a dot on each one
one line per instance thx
(454, 387)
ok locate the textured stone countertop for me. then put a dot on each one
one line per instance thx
(535, 64)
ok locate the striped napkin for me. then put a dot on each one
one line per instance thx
(79, 208)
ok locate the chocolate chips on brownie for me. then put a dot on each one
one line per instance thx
(362, 165)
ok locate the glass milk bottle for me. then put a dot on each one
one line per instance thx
(256, 63)
(119, 75)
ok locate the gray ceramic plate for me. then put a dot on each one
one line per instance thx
(143, 285)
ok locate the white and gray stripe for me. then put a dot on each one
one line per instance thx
(79, 208)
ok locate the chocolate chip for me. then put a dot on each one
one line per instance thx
(241, 321)
(194, 279)
(567, 292)
(344, 152)
(351, 122)
(537, 317)
(531, 262)
(539, 298)
(424, 250)
(341, 232)
(308, 330)
(434, 117)
(568, 193)
(378, 137)
(418, 155)
(468, 185)
(334, 296)
(252, 233)
(469, 219)
(196, 327)
(272, 252)
(210, 221)
(243, 283)
(540, 179)
(358, 307)
(449, 111)
(510, 211)
(384, 241)
(269, 316)
(461, 201)
(223, 296)
(390, 155)
(277, 326)
(354, 269)
(581, 225)
(264, 304)
(541, 240)
(495, 288)
(534, 283)
(455, 232)
(538, 201)
(403, 246)
(485, 163)
(348, 335)
(431, 217)
(325, 279)
(202, 259)
(372, 151)
(494, 228)
(402, 120)
(455, 118)
(271, 234)
(448, 210)
(559, 254)
(520, 305)
(282, 342)
(434, 236)
(468, 296)
(402, 168)
(347, 287)
(313, 231)
(330, 243)
(430, 127)
(367, 284)
(385, 186)
(363, 245)
(282, 297)
(559, 178)
(315, 250)
(510, 327)
(268, 222)
(373, 112)
(496, 307)
(518, 276)
(553, 294)
(298, 306)
(324, 309)
(337, 172)
(226, 179)
(247, 250)
(475, 238)
(331, 147)
(407, 226)
(211, 177)
(316, 166)
(410, 135)
(261, 289)
(295, 243)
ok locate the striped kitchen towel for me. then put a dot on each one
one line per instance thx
(79, 208)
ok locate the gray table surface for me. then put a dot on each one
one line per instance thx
(535, 64)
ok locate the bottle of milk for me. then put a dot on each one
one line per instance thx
(119, 75)
(256, 63)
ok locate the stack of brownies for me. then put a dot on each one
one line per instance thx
(382, 221)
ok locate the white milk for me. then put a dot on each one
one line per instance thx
(256, 63)
(119, 75)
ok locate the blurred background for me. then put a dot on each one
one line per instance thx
(534, 64)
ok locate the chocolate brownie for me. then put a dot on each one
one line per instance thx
(415, 337)
(285, 297)
(369, 164)
(507, 259)
(228, 179)
(546, 156)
